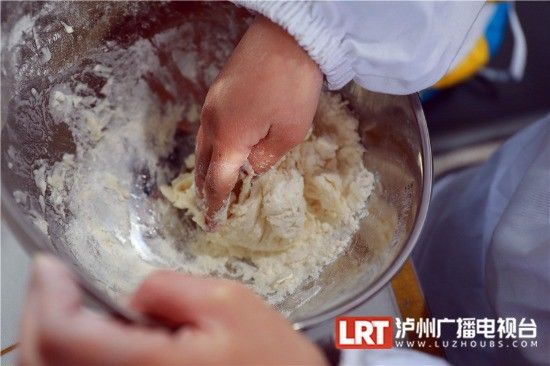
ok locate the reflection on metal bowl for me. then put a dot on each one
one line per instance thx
(54, 46)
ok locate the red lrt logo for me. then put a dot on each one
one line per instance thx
(364, 332)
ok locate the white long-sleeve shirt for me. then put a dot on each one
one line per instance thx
(386, 46)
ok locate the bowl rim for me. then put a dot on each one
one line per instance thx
(426, 172)
(30, 238)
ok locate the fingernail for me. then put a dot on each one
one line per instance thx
(201, 203)
(211, 225)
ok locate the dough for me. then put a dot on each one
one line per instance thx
(318, 187)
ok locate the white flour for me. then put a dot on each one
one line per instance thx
(294, 219)
(105, 196)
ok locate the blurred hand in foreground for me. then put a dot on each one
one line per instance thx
(259, 107)
(221, 322)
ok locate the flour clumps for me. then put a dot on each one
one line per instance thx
(300, 215)
(126, 134)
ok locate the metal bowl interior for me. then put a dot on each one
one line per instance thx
(40, 53)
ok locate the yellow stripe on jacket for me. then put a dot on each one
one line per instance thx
(476, 59)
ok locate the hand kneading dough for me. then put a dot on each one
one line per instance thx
(319, 186)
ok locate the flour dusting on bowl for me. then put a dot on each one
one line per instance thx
(131, 132)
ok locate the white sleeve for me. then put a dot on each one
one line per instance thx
(389, 357)
(391, 47)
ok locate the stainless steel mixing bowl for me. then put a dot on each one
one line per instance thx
(40, 51)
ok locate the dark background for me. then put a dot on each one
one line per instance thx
(478, 110)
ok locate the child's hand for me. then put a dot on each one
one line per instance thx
(222, 323)
(259, 107)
